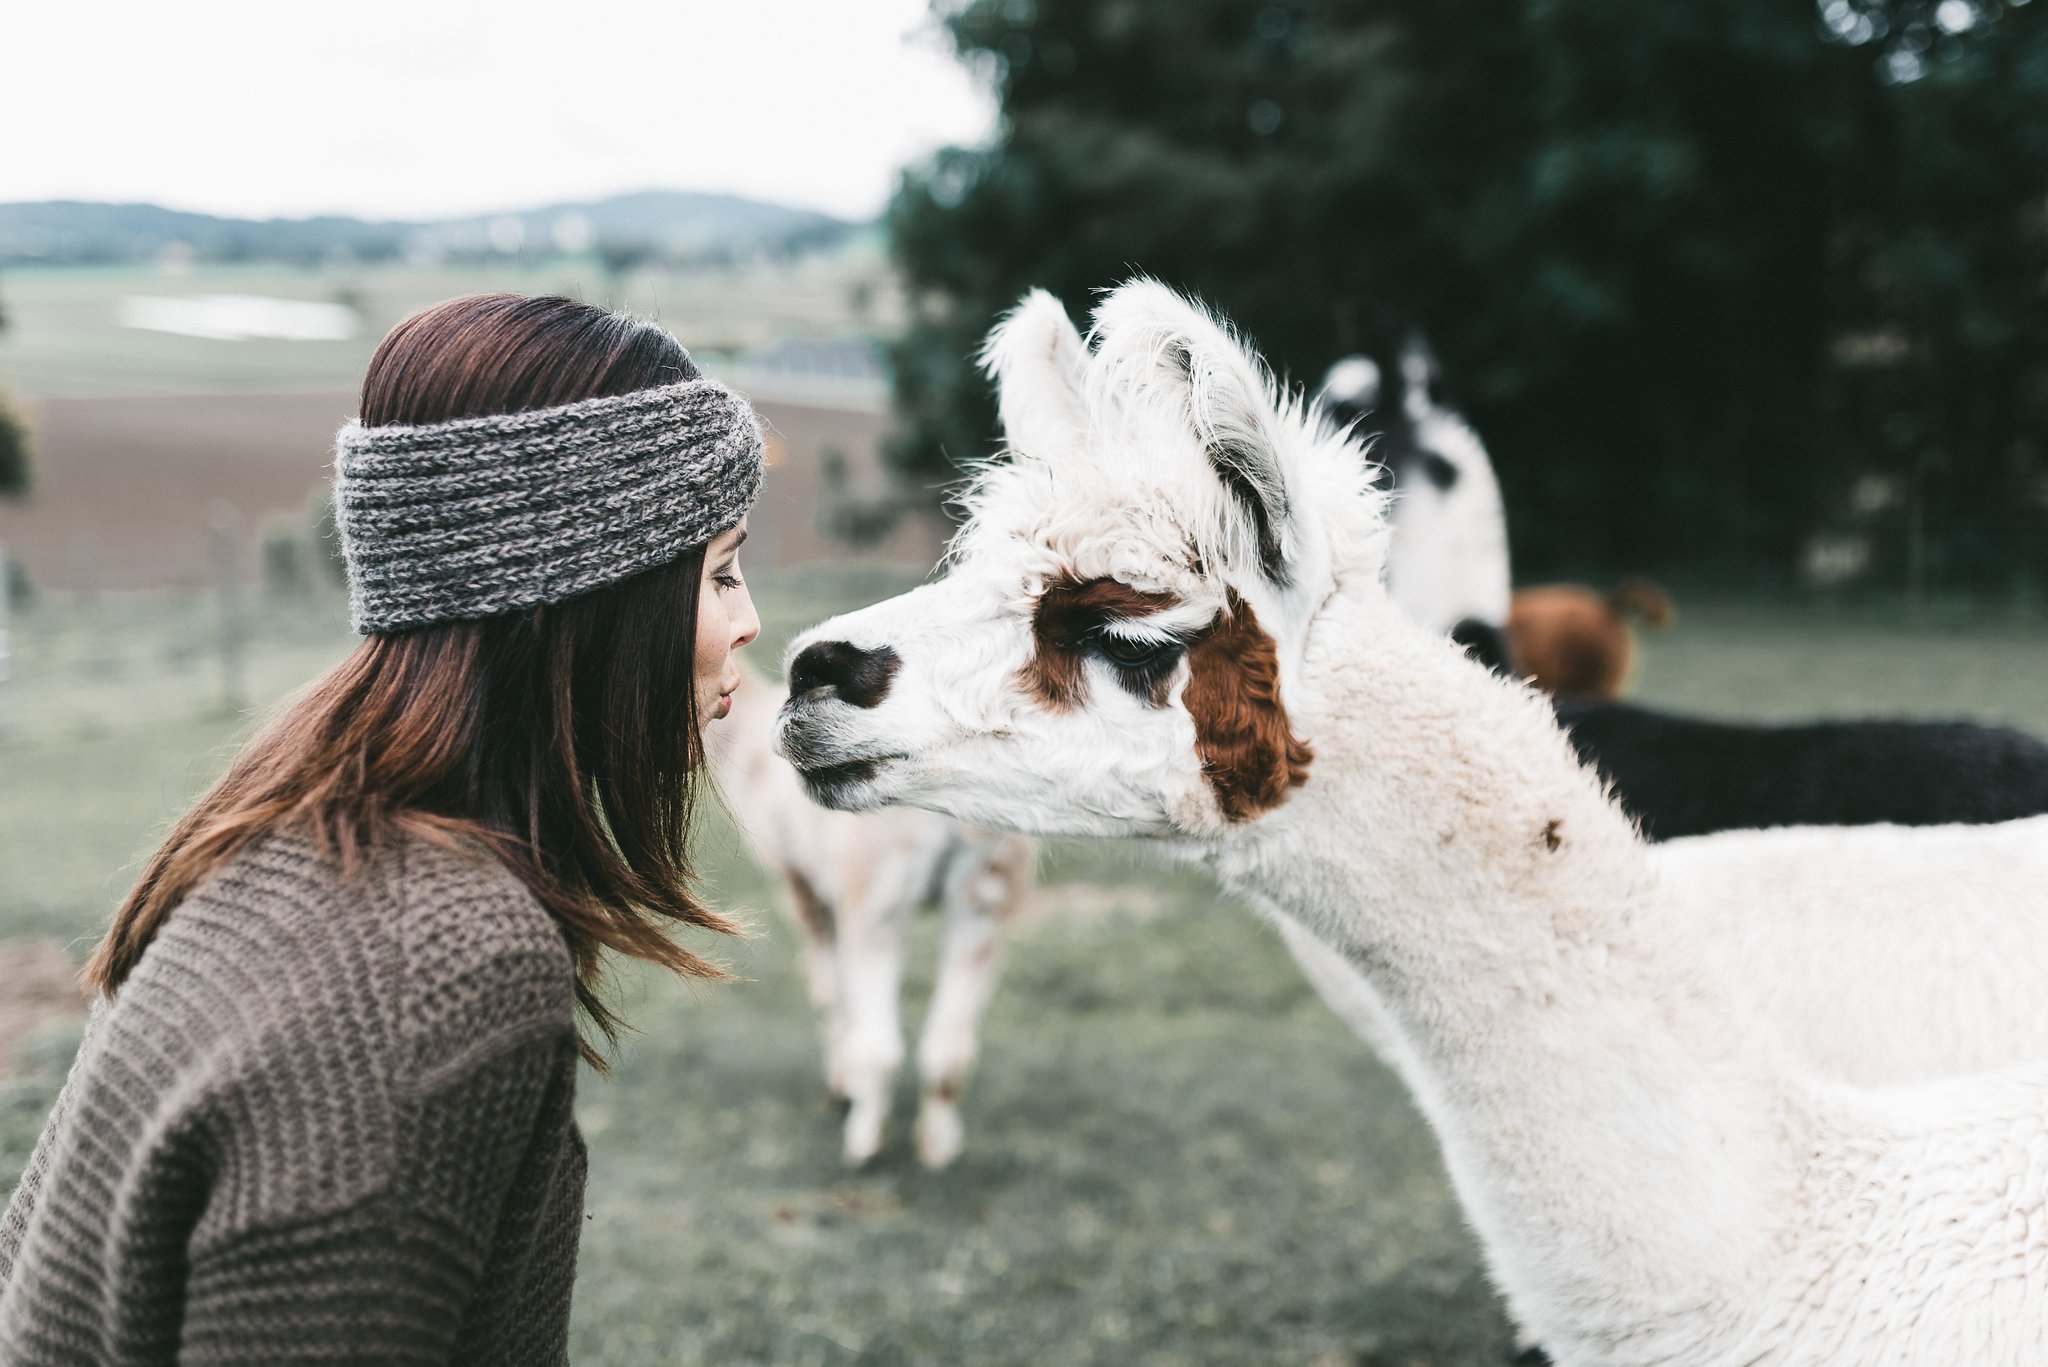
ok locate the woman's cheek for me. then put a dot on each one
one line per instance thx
(709, 622)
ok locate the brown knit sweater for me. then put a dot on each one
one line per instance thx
(323, 1120)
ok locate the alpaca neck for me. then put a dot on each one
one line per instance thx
(1605, 1128)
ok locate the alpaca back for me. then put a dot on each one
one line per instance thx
(1916, 1247)
(1932, 968)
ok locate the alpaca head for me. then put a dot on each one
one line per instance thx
(1114, 644)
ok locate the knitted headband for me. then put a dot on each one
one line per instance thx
(475, 517)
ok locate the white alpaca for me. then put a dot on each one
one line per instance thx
(1166, 618)
(852, 883)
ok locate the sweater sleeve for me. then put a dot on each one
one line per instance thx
(404, 1274)
(21, 1203)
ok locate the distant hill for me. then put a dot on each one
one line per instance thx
(657, 223)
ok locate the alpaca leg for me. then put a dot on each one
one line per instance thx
(871, 1040)
(984, 890)
(821, 975)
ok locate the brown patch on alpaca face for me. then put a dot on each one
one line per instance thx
(1070, 614)
(1249, 752)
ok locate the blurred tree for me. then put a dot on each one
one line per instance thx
(285, 555)
(325, 535)
(14, 458)
(1693, 269)
(1940, 367)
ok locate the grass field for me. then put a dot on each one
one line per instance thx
(1175, 1155)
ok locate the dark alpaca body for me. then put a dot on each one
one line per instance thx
(1682, 776)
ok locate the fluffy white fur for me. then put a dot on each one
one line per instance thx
(1842, 982)
(1655, 1175)
(853, 882)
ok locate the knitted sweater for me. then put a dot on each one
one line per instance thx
(323, 1120)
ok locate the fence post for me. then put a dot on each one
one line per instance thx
(231, 631)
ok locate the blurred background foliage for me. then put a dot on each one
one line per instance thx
(13, 449)
(13, 440)
(1722, 284)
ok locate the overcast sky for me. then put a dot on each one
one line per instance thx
(423, 108)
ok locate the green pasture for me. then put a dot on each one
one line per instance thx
(1175, 1155)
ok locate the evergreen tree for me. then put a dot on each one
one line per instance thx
(14, 467)
(1695, 271)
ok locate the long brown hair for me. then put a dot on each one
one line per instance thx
(563, 739)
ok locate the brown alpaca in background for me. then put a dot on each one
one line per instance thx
(1573, 643)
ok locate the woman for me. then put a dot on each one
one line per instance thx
(323, 1110)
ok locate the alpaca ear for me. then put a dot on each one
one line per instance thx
(1352, 388)
(1035, 357)
(1177, 350)
(1419, 371)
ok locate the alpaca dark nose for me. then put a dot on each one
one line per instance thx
(856, 676)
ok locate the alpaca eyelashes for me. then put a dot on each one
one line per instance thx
(1126, 652)
(1143, 665)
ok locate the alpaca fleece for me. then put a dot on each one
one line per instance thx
(475, 517)
(325, 1119)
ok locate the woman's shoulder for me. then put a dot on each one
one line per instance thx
(435, 947)
(458, 905)
(299, 1025)
(482, 956)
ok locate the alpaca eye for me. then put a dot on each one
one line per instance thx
(1129, 654)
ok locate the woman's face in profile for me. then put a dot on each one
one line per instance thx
(725, 621)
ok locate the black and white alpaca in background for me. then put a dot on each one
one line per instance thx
(1447, 568)
(1167, 618)
(1447, 565)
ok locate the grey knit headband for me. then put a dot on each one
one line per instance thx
(480, 516)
